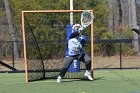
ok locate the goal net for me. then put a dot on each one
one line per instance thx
(44, 42)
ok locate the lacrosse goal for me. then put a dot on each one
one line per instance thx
(44, 43)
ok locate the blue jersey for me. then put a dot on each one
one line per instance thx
(74, 47)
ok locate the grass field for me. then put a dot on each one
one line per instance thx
(105, 81)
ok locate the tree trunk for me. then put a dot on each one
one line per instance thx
(134, 25)
(120, 12)
(11, 28)
(110, 4)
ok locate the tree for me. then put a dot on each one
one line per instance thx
(134, 25)
(100, 12)
(123, 15)
(11, 27)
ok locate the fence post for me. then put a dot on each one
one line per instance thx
(120, 55)
(13, 57)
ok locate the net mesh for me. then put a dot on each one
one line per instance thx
(45, 35)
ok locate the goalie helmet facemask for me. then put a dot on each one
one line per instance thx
(76, 28)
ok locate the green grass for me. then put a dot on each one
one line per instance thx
(105, 81)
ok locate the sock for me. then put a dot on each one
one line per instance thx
(88, 71)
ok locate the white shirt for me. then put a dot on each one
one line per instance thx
(74, 47)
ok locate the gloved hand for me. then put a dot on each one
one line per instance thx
(81, 28)
(82, 43)
(82, 40)
(82, 54)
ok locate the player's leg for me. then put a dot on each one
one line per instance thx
(87, 60)
(67, 63)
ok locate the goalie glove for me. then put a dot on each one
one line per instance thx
(82, 40)
(81, 28)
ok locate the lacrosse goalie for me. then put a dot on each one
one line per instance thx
(75, 51)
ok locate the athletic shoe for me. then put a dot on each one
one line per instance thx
(59, 79)
(88, 76)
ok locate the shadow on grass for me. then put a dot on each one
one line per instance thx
(83, 79)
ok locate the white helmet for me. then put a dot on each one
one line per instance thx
(76, 27)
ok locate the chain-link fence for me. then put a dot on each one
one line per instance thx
(108, 54)
(113, 54)
(8, 61)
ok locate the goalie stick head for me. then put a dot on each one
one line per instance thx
(86, 18)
